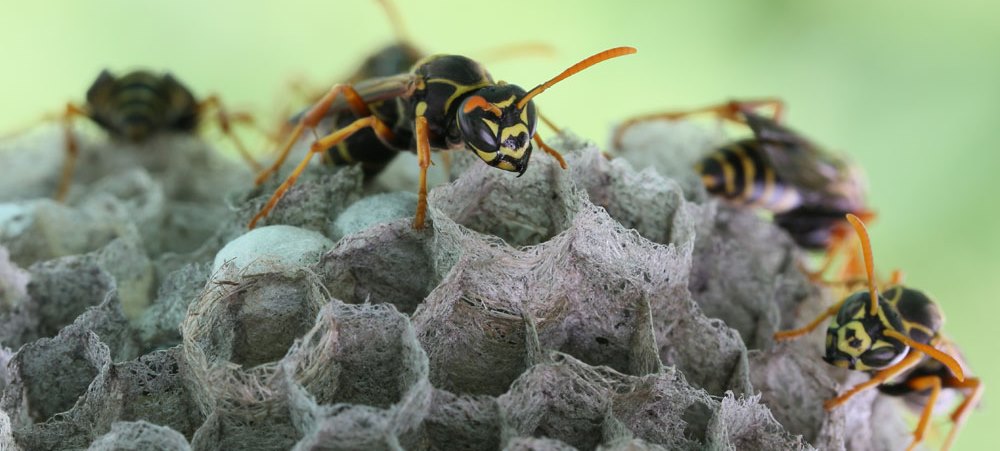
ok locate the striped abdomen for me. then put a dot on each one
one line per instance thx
(140, 104)
(741, 174)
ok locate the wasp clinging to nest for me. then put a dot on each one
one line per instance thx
(896, 337)
(139, 105)
(395, 58)
(807, 189)
(444, 102)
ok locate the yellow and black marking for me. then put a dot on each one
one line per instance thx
(807, 189)
(741, 174)
(140, 104)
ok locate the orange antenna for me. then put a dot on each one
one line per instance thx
(396, 20)
(866, 249)
(590, 61)
(931, 351)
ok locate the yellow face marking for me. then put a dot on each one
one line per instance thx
(844, 344)
(505, 165)
(524, 115)
(492, 125)
(513, 130)
(486, 156)
(860, 314)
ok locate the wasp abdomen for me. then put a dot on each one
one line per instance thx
(741, 174)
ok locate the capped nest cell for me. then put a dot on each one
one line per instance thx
(599, 307)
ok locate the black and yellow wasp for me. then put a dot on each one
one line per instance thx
(398, 57)
(138, 105)
(444, 102)
(807, 189)
(896, 336)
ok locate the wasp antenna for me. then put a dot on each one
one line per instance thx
(396, 20)
(866, 249)
(931, 352)
(590, 61)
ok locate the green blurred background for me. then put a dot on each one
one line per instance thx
(911, 90)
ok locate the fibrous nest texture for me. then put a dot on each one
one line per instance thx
(600, 307)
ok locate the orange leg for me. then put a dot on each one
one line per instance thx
(319, 146)
(911, 360)
(312, 118)
(728, 111)
(555, 154)
(72, 150)
(789, 334)
(225, 120)
(961, 413)
(920, 384)
(424, 158)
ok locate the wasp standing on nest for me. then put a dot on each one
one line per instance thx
(137, 106)
(445, 102)
(895, 335)
(399, 57)
(808, 190)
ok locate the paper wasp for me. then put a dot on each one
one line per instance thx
(138, 105)
(808, 190)
(392, 59)
(895, 335)
(445, 102)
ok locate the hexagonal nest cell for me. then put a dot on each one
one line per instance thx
(599, 307)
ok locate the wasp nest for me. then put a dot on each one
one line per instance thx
(600, 307)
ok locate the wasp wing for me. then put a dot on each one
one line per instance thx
(372, 90)
(796, 160)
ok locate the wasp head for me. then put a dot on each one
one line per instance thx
(496, 128)
(856, 338)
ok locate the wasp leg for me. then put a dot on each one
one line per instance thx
(225, 120)
(728, 111)
(555, 154)
(72, 150)
(424, 158)
(961, 413)
(789, 334)
(318, 147)
(911, 360)
(933, 383)
(312, 118)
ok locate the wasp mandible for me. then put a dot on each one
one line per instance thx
(445, 102)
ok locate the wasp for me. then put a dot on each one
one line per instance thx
(807, 189)
(895, 335)
(138, 105)
(400, 56)
(445, 102)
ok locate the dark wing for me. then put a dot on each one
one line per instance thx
(795, 159)
(372, 90)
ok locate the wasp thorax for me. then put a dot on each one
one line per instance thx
(856, 339)
(495, 128)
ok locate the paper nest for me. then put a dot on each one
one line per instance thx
(601, 307)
